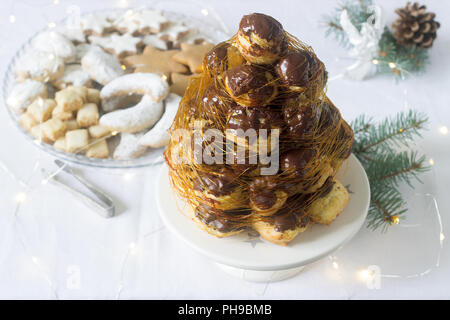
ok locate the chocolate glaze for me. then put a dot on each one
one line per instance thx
(289, 218)
(262, 192)
(253, 118)
(297, 160)
(216, 59)
(326, 188)
(293, 69)
(249, 79)
(219, 184)
(208, 215)
(299, 120)
(329, 117)
(215, 101)
(262, 25)
(346, 134)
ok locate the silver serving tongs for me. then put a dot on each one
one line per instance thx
(101, 203)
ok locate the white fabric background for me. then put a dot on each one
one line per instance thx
(52, 246)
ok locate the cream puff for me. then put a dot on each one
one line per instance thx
(261, 39)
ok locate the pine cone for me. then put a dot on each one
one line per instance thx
(415, 26)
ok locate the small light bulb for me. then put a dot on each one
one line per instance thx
(55, 2)
(392, 65)
(20, 197)
(443, 130)
(364, 274)
(205, 12)
(51, 24)
(375, 61)
(124, 67)
(133, 248)
(431, 162)
(395, 220)
(12, 18)
(442, 237)
(34, 259)
(335, 265)
(113, 133)
(44, 181)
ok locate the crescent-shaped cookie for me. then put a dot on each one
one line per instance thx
(134, 119)
(139, 83)
(158, 136)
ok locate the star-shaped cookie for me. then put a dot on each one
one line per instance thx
(155, 61)
(192, 55)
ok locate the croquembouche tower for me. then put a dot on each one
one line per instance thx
(262, 78)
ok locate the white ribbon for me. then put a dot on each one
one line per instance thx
(365, 42)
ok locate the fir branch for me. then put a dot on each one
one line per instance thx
(392, 132)
(385, 167)
(397, 167)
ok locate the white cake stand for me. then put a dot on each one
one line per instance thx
(250, 258)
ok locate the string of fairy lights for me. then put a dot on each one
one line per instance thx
(135, 248)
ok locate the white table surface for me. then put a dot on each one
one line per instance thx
(52, 246)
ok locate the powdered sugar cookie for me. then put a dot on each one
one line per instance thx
(139, 83)
(101, 66)
(129, 146)
(96, 24)
(173, 32)
(23, 94)
(80, 51)
(192, 37)
(134, 119)
(75, 75)
(74, 34)
(119, 45)
(141, 22)
(40, 66)
(155, 42)
(55, 43)
(158, 136)
(120, 102)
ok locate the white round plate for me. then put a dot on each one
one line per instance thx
(248, 251)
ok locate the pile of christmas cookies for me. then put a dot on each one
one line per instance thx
(108, 85)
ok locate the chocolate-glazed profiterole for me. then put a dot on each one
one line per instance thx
(250, 85)
(223, 57)
(220, 189)
(301, 121)
(266, 196)
(283, 226)
(263, 93)
(293, 70)
(261, 39)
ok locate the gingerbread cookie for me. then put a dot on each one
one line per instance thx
(101, 66)
(192, 55)
(179, 83)
(118, 45)
(23, 94)
(156, 61)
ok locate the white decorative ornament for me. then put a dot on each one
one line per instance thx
(364, 42)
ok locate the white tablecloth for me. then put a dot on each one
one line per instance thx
(52, 246)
